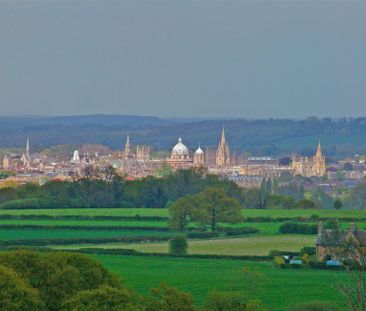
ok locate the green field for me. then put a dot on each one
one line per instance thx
(251, 246)
(26, 234)
(80, 223)
(276, 288)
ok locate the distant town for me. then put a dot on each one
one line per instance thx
(135, 162)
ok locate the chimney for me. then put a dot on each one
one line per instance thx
(320, 228)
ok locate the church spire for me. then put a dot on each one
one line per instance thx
(319, 153)
(27, 148)
(127, 153)
(223, 139)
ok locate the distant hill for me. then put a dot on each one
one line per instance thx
(340, 137)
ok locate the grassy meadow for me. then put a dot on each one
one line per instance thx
(277, 288)
(245, 246)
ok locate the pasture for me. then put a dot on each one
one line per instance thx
(244, 246)
(277, 288)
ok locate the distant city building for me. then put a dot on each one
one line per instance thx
(128, 153)
(223, 152)
(143, 153)
(199, 157)
(179, 157)
(309, 167)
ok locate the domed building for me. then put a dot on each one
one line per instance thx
(179, 157)
(199, 157)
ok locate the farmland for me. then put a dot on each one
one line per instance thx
(246, 246)
(146, 231)
(199, 276)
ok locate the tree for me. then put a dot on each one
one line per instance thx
(213, 205)
(306, 204)
(16, 294)
(168, 298)
(104, 298)
(338, 204)
(178, 245)
(231, 301)
(181, 212)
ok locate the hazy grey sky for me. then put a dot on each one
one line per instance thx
(183, 58)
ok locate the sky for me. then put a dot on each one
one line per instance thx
(247, 59)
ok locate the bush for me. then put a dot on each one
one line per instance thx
(238, 231)
(231, 301)
(178, 245)
(313, 306)
(310, 250)
(279, 261)
(292, 227)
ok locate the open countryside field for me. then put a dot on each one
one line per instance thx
(81, 223)
(26, 234)
(274, 213)
(277, 288)
(251, 245)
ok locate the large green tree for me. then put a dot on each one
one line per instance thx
(213, 206)
(16, 294)
(180, 212)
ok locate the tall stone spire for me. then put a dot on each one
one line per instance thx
(27, 148)
(128, 153)
(223, 152)
(319, 153)
(223, 139)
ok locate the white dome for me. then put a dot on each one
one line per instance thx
(199, 150)
(180, 148)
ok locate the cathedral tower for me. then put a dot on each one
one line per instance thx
(223, 151)
(127, 153)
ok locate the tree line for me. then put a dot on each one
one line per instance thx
(105, 188)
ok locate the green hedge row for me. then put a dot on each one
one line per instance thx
(69, 227)
(136, 253)
(44, 242)
(293, 227)
(81, 217)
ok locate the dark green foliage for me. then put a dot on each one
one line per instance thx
(178, 245)
(107, 189)
(104, 298)
(168, 298)
(306, 204)
(57, 276)
(313, 306)
(338, 204)
(310, 250)
(16, 294)
(292, 227)
(231, 301)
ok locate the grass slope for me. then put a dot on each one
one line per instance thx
(254, 245)
(276, 288)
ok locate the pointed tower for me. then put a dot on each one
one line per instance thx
(319, 162)
(127, 153)
(27, 149)
(319, 153)
(223, 151)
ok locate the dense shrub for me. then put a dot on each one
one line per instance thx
(178, 245)
(314, 306)
(238, 231)
(292, 227)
